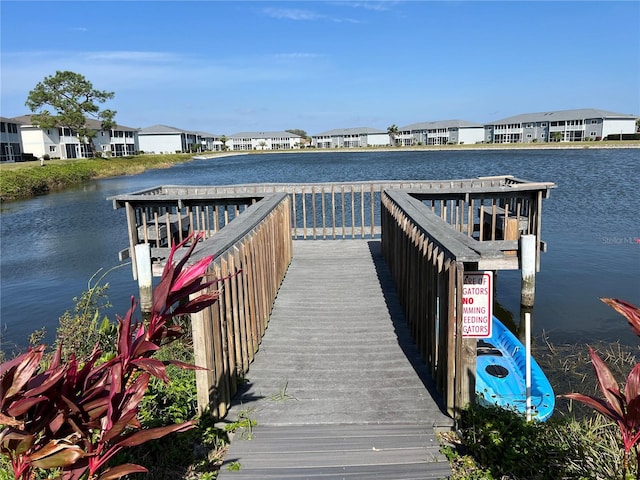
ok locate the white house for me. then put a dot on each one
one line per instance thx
(441, 132)
(166, 139)
(10, 141)
(63, 142)
(264, 141)
(351, 138)
(560, 126)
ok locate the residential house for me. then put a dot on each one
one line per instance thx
(560, 126)
(63, 142)
(442, 132)
(209, 142)
(10, 141)
(351, 138)
(166, 139)
(248, 141)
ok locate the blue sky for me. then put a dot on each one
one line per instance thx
(228, 67)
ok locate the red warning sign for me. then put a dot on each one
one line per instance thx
(477, 304)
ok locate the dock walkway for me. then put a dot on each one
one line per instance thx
(337, 388)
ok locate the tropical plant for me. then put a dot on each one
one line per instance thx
(75, 416)
(621, 406)
(393, 133)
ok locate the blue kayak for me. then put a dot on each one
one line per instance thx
(500, 375)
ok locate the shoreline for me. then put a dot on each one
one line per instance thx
(24, 180)
(433, 148)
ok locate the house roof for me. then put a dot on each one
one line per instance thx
(440, 124)
(563, 115)
(161, 129)
(91, 123)
(8, 120)
(349, 131)
(208, 135)
(264, 135)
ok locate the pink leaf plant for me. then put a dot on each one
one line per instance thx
(620, 405)
(77, 416)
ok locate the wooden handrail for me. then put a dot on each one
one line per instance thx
(428, 264)
(251, 257)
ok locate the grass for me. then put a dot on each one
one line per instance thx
(28, 179)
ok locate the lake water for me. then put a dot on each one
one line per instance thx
(52, 245)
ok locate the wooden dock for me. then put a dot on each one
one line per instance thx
(343, 384)
(338, 388)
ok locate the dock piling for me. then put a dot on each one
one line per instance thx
(145, 276)
(528, 269)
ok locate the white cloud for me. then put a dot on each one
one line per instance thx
(293, 14)
(304, 15)
(377, 6)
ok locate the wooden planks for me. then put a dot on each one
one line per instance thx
(338, 388)
(388, 451)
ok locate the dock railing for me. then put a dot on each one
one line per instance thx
(489, 209)
(251, 257)
(427, 263)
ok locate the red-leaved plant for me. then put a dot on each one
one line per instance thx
(76, 416)
(621, 406)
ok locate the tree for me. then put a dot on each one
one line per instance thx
(306, 139)
(224, 140)
(74, 101)
(297, 131)
(393, 131)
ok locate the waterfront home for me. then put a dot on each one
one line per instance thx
(10, 141)
(209, 142)
(166, 139)
(63, 142)
(443, 132)
(560, 126)
(247, 141)
(351, 138)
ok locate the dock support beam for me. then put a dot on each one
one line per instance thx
(145, 276)
(528, 268)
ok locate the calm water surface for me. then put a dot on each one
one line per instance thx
(52, 245)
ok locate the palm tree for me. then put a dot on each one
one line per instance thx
(393, 131)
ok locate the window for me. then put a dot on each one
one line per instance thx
(593, 134)
(52, 148)
(544, 124)
(104, 148)
(3, 127)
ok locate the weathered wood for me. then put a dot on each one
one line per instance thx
(229, 329)
(384, 452)
(317, 413)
